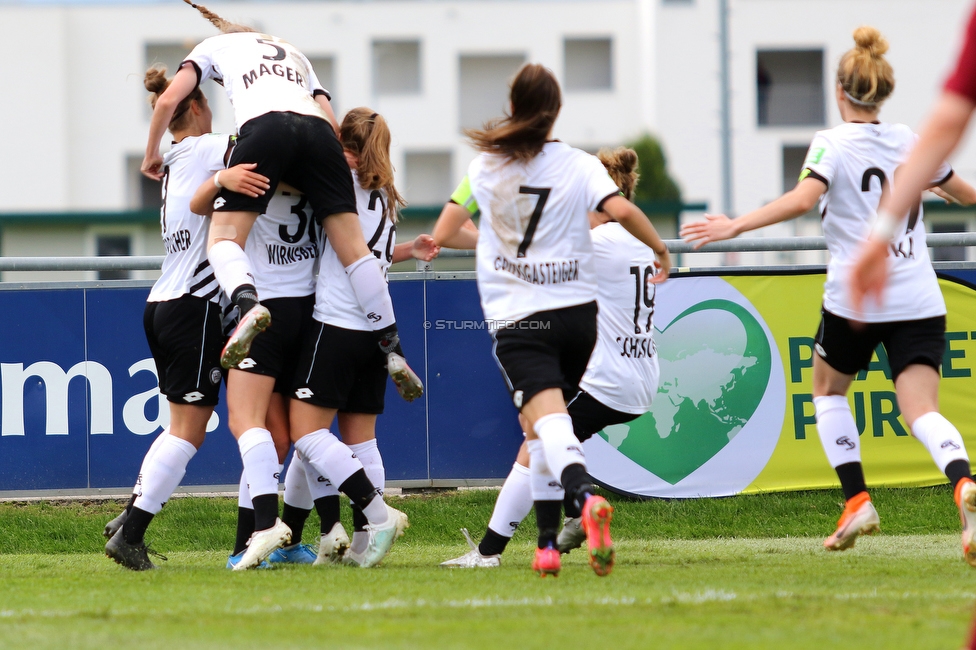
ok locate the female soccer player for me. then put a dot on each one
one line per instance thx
(341, 371)
(537, 282)
(616, 388)
(286, 127)
(183, 317)
(850, 167)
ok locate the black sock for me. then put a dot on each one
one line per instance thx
(265, 511)
(245, 527)
(358, 488)
(295, 519)
(493, 543)
(569, 506)
(390, 340)
(576, 483)
(547, 515)
(132, 502)
(851, 477)
(359, 520)
(134, 528)
(245, 297)
(957, 470)
(328, 509)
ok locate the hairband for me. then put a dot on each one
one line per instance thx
(858, 102)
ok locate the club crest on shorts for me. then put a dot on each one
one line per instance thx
(517, 398)
(215, 376)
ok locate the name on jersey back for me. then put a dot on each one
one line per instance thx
(177, 242)
(276, 70)
(281, 255)
(543, 273)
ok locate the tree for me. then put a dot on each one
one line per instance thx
(655, 184)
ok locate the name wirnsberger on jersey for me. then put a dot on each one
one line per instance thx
(277, 70)
(278, 254)
(542, 273)
(178, 241)
(636, 347)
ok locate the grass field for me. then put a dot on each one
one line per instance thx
(744, 572)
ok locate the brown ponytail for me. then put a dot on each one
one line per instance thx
(366, 134)
(864, 74)
(536, 100)
(225, 26)
(621, 164)
(157, 83)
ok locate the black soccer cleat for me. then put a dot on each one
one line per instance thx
(131, 556)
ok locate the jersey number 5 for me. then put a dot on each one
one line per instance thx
(543, 194)
(279, 52)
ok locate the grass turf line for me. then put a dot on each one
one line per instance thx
(759, 580)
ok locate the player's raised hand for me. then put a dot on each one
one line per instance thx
(152, 166)
(715, 227)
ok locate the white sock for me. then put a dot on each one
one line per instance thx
(164, 473)
(137, 489)
(369, 455)
(513, 503)
(376, 512)
(244, 494)
(360, 539)
(544, 484)
(297, 493)
(319, 485)
(372, 291)
(941, 438)
(260, 461)
(231, 266)
(562, 447)
(326, 453)
(838, 432)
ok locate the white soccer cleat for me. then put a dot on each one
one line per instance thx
(382, 536)
(255, 321)
(262, 544)
(407, 382)
(333, 546)
(572, 535)
(473, 559)
(859, 518)
(966, 500)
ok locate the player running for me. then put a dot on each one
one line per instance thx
(849, 168)
(537, 280)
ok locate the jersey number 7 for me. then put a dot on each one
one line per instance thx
(543, 194)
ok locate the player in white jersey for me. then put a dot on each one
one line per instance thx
(341, 372)
(621, 377)
(848, 168)
(287, 128)
(182, 319)
(538, 290)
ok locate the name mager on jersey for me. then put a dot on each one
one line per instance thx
(186, 269)
(335, 301)
(623, 369)
(534, 250)
(283, 247)
(858, 162)
(260, 73)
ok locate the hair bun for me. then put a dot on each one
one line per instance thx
(871, 40)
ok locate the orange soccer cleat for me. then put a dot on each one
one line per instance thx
(547, 561)
(597, 514)
(859, 518)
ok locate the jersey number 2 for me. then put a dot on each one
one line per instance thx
(543, 194)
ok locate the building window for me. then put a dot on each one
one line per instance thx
(324, 67)
(142, 193)
(793, 159)
(427, 178)
(113, 245)
(789, 88)
(396, 67)
(483, 90)
(949, 253)
(588, 63)
(171, 55)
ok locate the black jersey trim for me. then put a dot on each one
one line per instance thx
(231, 143)
(815, 175)
(196, 69)
(202, 283)
(599, 206)
(319, 91)
(946, 179)
(203, 265)
(210, 294)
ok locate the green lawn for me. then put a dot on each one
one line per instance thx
(744, 572)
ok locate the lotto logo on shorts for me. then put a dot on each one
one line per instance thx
(303, 393)
(517, 398)
(215, 376)
(247, 363)
(195, 396)
(219, 203)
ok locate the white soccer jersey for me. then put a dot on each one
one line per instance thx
(283, 248)
(335, 302)
(261, 74)
(186, 269)
(623, 369)
(534, 251)
(856, 160)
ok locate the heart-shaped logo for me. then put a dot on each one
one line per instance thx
(715, 366)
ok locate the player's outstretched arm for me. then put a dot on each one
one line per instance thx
(450, 230)
(422, 248)
(637, 224)
(179, 88)
(718, 227)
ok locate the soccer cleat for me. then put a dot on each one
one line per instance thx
(572, 535)
(546, 562)
(233, 560)
(597, 514)
(262, 544)
(115, 525)
(352, 558)
(473, 559)
(966, 500)
(333, 546)
(407, 382)
(255, 321)
(131, 556)
(859, 518)
(294, 554)
(382, 536)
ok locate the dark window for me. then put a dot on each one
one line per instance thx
(109, 246)
(789, 88)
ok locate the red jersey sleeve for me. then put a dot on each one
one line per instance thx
(963, 79)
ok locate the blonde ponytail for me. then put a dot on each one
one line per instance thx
(365, 134)
(863, 73)
(225, 26)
